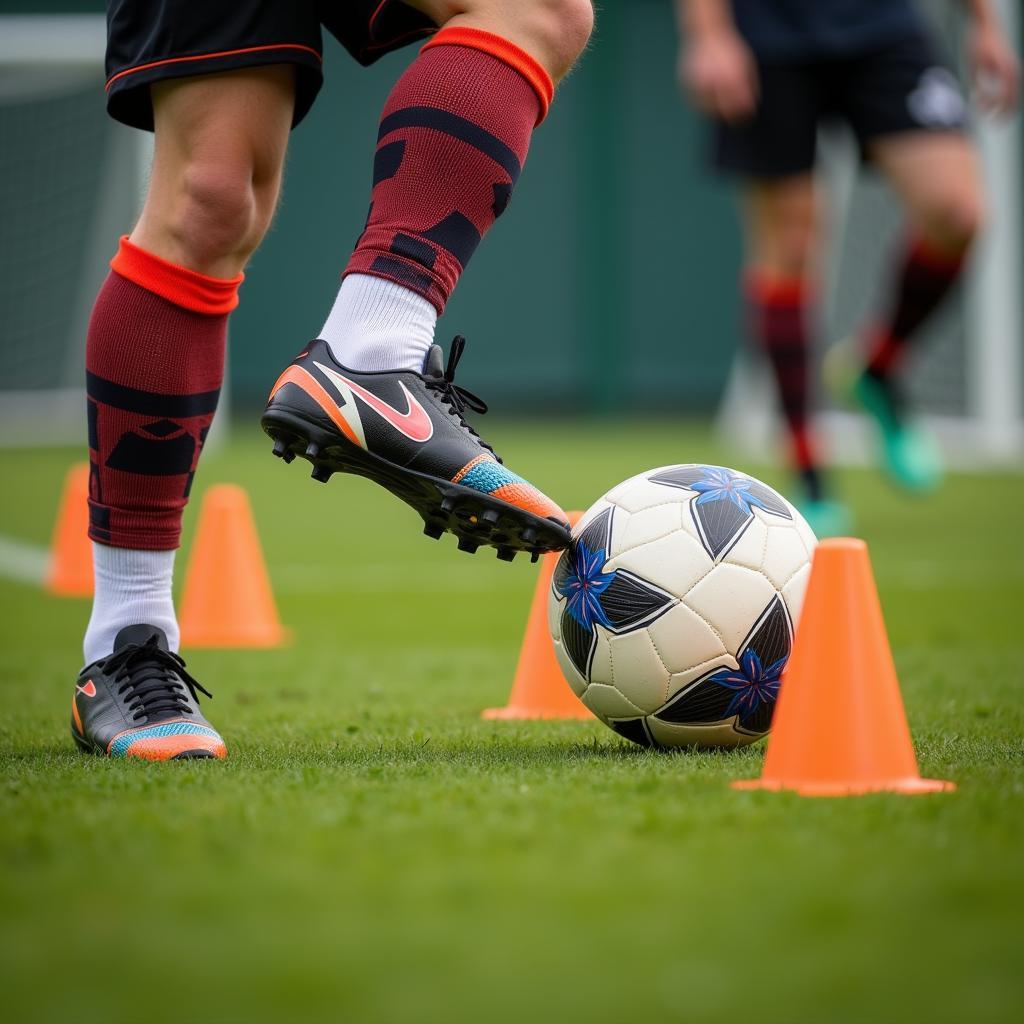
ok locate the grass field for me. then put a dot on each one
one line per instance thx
(373, 851)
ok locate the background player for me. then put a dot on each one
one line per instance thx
(768, 72)
(222, 85)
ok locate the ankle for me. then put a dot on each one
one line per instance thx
(132, 587)
(377, 324)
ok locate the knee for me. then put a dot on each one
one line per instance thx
(952, 220)
(562, 28)
(553, 31)
(788, 250)
(216, 215)
(795, 248)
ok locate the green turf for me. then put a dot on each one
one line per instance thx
(372, 851)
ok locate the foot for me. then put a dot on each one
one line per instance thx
(407, 431)
(140, 702)
(906, 452)
(826, 518)
(903, 449)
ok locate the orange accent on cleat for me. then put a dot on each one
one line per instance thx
(166, 748)
(528, 498)
(307, 382)
(75, 715)
(469, 465)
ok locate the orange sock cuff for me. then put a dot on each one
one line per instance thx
(775, 290)
(508, 53)
(942, 261)
(186, 288)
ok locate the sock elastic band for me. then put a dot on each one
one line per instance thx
(775, 291)
(942, 261)
(185, 288)
(508, 53)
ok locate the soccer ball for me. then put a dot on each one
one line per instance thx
(672, 611)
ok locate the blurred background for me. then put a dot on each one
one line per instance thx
(610, 289)
(374, 851)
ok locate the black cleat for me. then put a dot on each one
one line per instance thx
(407, 431)
(140, 702)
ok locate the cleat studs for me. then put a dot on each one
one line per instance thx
(312, 450)
(433, 530)
(506, 554)
(490, 517)
(470, 546)
(448, 506)
(289, 457)
(322, 473)
(534, 555)
(280, 447)
(528, 536)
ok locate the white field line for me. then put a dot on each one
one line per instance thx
(26, 563)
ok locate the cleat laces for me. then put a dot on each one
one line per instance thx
(153, 681)
(457, 398)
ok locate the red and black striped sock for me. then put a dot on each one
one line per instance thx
(154, 365)
(925, 278)
(452, 141)
(777, 319)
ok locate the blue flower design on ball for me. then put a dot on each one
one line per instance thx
(584, 583)
(725, 502)
(750, 690)
(614, 599)
(753, 684)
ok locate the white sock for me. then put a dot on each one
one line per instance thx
(379, 325)
(132, 587)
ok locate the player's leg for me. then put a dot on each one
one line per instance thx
(782, 220)
(372, 396)
(773, 153)
(154, 360)
(909, 113)
(937, 178)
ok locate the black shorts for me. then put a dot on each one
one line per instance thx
(901, 87)
(151, 42)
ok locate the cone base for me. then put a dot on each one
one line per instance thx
(262, 640)
(913, 786)
(525, 714)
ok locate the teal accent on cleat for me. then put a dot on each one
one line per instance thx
(488, 476)
(827, 518)
(907, 453)
(120, 745)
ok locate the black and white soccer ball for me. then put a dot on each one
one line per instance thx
(672, 611)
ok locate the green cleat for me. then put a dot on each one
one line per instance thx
(826, 518)
(906, 452)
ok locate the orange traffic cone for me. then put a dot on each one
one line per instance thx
(227, 600)
(840, 728)
(70, 570)
(539, 689)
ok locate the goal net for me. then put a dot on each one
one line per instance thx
(70, 184)
(968, 378)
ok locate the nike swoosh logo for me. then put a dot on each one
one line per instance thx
(415, 423)
(89, 689)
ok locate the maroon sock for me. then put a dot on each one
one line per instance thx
(452, 141)
(154, 363)
(777, 318)
(925, 278)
